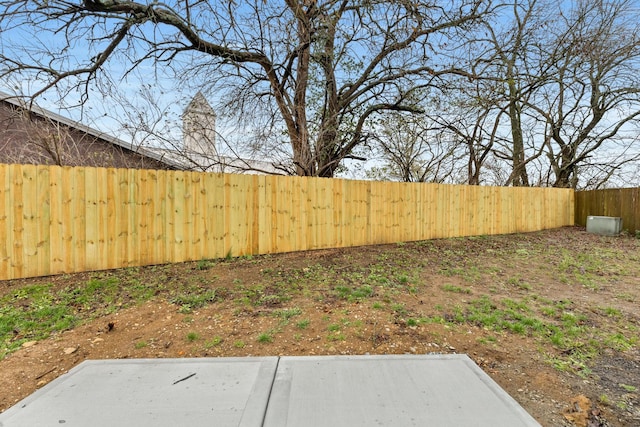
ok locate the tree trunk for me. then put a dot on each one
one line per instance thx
(519, 173)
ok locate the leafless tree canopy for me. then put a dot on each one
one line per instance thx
(318, 70)
(555, 98)
(531, 92)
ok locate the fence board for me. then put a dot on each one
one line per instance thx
(29, 224)
(91, 224)
(60, 219)
(6, 238)
(121, 195)
(56, 236)
(299, 213)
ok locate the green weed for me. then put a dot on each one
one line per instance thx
(194, 299)
(456, 289)
(611, 312)
(303, 324)
(399, 309)
(217, 340)
(288, 313)
(265, 337)
(619, 342)
(205, 264)
(353, 294)
(489, 339)
(336, 337)
(622, 405)
(629, 388)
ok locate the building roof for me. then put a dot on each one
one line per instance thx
(50, 115)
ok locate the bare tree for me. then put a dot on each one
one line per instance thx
(414, 149)
(590, 103)
(556, 95)
(485, 115)
(505, 59)
(319, 70)
(469, 115)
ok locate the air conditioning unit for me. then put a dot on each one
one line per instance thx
(604, 225)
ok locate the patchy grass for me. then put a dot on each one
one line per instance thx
(567, 297)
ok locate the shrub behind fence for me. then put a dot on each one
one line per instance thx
(61, 220)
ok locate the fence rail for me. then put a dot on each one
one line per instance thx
(619, 202)
(61, 220)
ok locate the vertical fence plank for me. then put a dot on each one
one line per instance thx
(361, 193)
(188, 223)
(111, 210)
(283, 215)
(337, 211)
(249, 219)
(630, 209)
(180, 221)
(91, 253)
(43, 219)
(346, 213)
(208, 223)
(122, 218)
(29, 239)
(234, 197)
(170, 212)
(67, 189)
(428, 206)
(133, 214)
(200, 229)
(143, 210)
(375, 227)
(325, 205)
(17, 261)
(254, 214)
(265, 201)
(153, 245)
(56, 220)
(161, 216)
(102, 235)
(6, 226)
(312, 228)
(297, 226)
(569, 204)
(79, 222)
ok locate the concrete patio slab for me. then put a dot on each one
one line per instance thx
(429, 390)
(408, 390)
(151, 392)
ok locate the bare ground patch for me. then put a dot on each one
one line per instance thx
(551, 316)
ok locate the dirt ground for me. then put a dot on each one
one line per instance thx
(591, 276)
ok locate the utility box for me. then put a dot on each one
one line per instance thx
(604, 225)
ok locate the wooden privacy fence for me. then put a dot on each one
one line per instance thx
(620, 202)
(61, 219)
